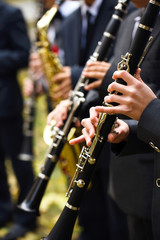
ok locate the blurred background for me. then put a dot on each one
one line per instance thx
(54, 198)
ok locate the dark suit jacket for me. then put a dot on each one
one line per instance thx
(132, 176)
(14, 53)
(71, 32)
(149, 132)
(142, 134)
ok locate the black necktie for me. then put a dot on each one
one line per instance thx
(89, 34)
(90, 26)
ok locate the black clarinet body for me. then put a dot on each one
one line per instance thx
(104, 45)
(26, 153)
(77, 97)
(89, 155)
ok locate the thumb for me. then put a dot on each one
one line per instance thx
(137, 75)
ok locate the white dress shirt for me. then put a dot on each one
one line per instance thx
(93, 10)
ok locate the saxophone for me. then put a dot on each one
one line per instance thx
(50, 60)
(52, 66)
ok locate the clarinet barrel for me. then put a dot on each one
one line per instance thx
(89, 155)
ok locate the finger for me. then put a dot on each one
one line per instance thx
(112, 137)
(61, 94)
(94, 69)
(59, 123)
(77, 140)
(94, 116)
(120, 109)
(137, 75)
(58, 77)
(56, 115)
(119, 99)
(115, 133)
(62, 86)
(127, 77)
(66, 103)
(117, 87)
(98, 74)
(87, 137)
(97, 69)
(93, 85)
(66, 94)
(97, 64)
(49, 118)
(86, 123)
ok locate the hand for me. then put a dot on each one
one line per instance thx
(27, 87)
(95, 70)
(136, 95)
(119, 132)
(63, 84)
(88, 131)
(59, 114)
(35, 66)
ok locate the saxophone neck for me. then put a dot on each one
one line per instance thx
(44, 22)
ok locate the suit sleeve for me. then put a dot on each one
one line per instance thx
(15, 54)
(149, 127)
(75, 74)
(133, 145)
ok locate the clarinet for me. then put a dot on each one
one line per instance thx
(26, 153)
(89, 155)
(77, 97)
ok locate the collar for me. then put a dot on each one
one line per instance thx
(93, 9)
(68, 7)
(137, 19)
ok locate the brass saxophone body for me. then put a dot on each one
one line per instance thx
(50, 60)
(52, 66)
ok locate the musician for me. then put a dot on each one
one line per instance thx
(35, 63)
(132, 177)
(75, 47)
(106, 212)
(14, 53)
(143, 106)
